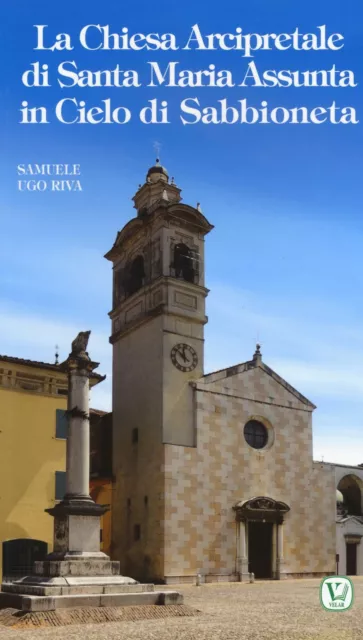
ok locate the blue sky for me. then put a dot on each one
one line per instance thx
(284, 261)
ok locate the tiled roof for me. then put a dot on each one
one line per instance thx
(41, 365)
(98, 412)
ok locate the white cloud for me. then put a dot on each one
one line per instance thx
(343, 381)
(79, 278)
(308, 342)
(337, 448)
(34, 336)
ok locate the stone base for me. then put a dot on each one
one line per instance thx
(205, 578)
(281, 570)
(244, 575)
(78, 566)
(77, 574)
(60, 588)
(32, 585)
(76, 531)
(52, 603)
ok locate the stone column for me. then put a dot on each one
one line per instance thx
(280, 552)
(77, 516)
(280, 542)
(242, 552)
(78, 441)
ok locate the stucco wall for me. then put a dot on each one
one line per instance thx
(30, 455)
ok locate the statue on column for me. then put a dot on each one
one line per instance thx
(79, 344)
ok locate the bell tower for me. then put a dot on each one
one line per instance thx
(158, 319)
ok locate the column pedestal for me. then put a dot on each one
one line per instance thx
(77, 531)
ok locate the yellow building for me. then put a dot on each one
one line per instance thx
(33, 399)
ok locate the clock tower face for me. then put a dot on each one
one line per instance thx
(184, 357)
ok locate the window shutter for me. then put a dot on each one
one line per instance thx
(60, 485)
(61, 427)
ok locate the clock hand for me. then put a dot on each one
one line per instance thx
(183, 354)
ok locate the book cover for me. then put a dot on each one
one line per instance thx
(184, 181)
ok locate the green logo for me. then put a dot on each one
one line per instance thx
(336, 593)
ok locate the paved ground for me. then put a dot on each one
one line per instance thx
(287, 610)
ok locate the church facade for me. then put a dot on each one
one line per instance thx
(213, 474)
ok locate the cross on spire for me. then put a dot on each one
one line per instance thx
(157, 148)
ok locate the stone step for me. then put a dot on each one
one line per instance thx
(77, 588)
(52, 603)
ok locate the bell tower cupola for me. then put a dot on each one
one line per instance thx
(158, 257)
(157, 185)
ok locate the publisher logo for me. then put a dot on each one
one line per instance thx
(336, 593)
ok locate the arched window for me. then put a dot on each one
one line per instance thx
(350, 487)
(255, 434)
(20, 554)
(136, 275)
(183, 262)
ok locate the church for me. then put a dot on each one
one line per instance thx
(207, 475)
(213, 474)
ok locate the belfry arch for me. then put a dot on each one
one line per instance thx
(351, 487)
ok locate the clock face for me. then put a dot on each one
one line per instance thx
(184, 357)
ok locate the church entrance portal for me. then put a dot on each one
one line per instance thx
(260, 549)
(351, 559)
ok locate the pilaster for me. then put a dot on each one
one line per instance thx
(280, 561)
(243, 554)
